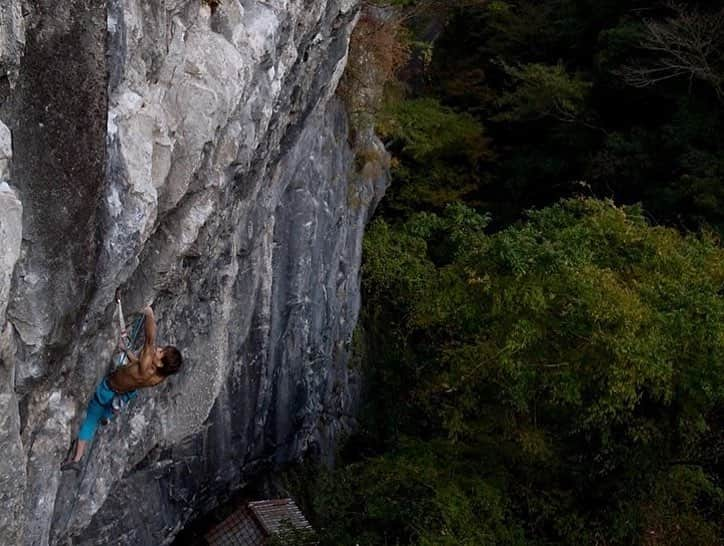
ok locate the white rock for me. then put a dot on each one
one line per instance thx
(11, 230)
(6, 152)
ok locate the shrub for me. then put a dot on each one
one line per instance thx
(378, 49)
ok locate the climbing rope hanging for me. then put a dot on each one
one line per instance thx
(128, 337)
(128, 340)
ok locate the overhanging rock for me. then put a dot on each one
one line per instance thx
(197, 159)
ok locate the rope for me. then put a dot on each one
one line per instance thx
(128, 340)
(87, 457)
(121, 320)
(79, 482)
(131, 339)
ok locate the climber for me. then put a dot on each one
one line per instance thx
(147, 370)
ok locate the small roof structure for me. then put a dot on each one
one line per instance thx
(254, 523)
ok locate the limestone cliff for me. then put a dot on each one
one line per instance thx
(194, 155)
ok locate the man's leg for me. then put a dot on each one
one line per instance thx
(93, 414)
(90, 423)
(80, 446)
(108, 414)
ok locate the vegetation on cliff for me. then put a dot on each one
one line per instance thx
(544, 312)
(559, 381)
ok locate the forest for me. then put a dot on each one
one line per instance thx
(542, 334)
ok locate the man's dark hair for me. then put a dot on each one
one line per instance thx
(171, 359)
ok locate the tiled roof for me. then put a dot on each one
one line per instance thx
(239, 529)
(251, 524)
(273, 515)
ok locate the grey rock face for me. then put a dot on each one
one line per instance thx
(198, 160)
(11, 213)
(12, 464)
(57, 115)
(12, 37)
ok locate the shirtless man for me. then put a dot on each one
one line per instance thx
(153, 366)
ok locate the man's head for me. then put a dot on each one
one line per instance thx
(170, 360)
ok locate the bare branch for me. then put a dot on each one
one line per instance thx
(688, 44)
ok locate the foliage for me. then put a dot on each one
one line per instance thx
(378, 49)
(559, 381)
(421, 493)
(424, 129)
(553, 376)
(561, 71)
(288, 535)
(438, 152)
(543, 91)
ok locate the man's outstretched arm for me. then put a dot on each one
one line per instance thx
(149, 346)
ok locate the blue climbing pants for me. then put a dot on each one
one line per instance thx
(101, 406)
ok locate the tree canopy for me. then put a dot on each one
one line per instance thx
(559, 381)
(542, 332)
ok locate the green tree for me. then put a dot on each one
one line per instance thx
(549, 383)
(542, 91)
(438, 153)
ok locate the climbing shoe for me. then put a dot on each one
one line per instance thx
(70, 465)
